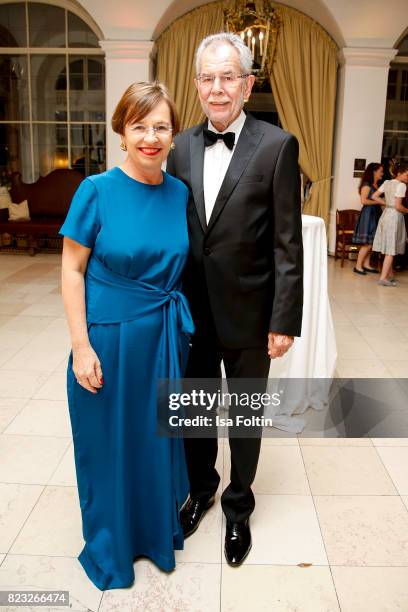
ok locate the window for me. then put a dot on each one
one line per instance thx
(392, 84)
(52, 92)
(404, 86)
(395, 141)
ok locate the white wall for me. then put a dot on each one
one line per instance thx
(369, 23)
(126, 62)
(361, 100)
(360, 125)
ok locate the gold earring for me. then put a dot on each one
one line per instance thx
(172, 146)
(246, 100)
(123, 146)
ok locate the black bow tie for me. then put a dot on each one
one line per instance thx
(211, 138)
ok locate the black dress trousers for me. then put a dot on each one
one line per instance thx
(206, 353)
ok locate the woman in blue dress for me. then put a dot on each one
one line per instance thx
(367, 221)
(125, 247)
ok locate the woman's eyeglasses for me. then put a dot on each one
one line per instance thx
(159, 130)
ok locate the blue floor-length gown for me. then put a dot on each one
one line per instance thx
(131, 482)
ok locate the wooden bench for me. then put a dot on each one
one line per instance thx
(48, 201)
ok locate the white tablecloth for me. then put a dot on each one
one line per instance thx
(314, 354)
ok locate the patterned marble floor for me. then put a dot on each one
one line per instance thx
(330, 529)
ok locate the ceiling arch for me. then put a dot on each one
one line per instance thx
(313, 8)
(401, 38)
(365, 23)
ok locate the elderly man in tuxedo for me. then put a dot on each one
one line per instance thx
(244, 275)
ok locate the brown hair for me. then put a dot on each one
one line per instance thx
(368, 176)
(397, 167)
(138, 101)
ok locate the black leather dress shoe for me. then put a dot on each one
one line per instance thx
(238, 542)
(192, 513)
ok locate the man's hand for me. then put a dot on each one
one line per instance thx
(278, 344)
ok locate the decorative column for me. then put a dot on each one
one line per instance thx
(361, 100)
(126, 61)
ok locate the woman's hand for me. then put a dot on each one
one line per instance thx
(87, 368)
(377, 200)
(85, 363)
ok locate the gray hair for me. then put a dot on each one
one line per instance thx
(245, 55)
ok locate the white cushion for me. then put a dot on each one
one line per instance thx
(19, 212)
(5, 199)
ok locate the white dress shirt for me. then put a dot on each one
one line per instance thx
(217, 158)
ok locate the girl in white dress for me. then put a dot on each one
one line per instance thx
(390, 237)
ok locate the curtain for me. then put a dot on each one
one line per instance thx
(176, 48)
(303, 81)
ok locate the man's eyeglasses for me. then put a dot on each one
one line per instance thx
(207, 80)
(159, 130)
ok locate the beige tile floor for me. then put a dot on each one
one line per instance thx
(330, 530)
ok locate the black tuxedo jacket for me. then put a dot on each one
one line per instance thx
(245, 269)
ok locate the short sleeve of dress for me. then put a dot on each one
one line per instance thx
(381, 188)
(82, 222)
(401, 190)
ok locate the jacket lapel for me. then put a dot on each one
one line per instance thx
(197, 165)
(247, 143)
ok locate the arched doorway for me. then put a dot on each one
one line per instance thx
(301, 70)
